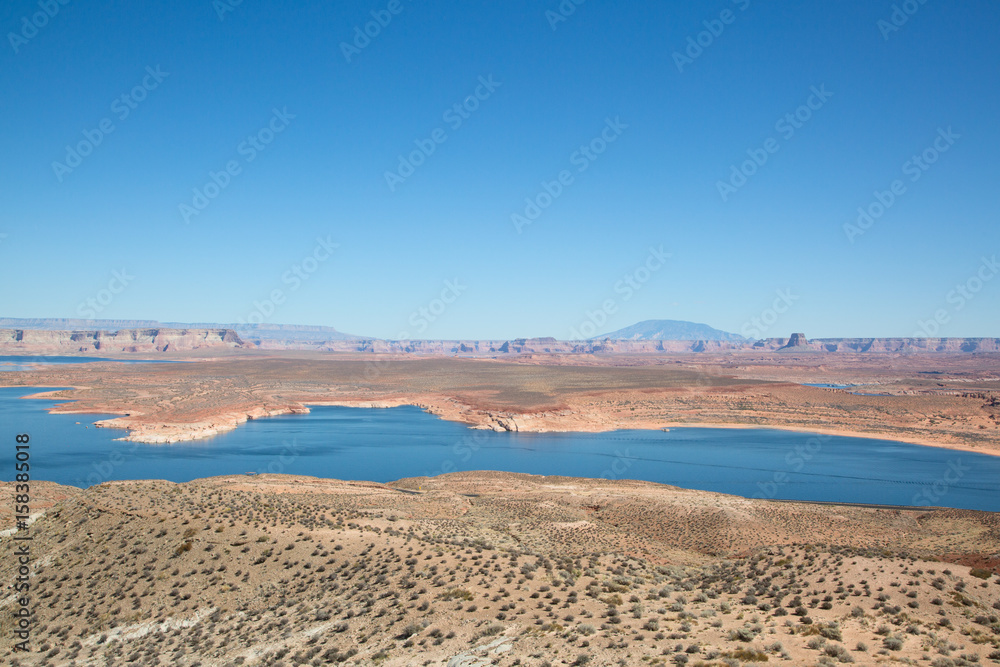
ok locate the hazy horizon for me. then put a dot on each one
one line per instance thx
(107, 324)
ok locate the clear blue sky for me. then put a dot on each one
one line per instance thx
(679, 131)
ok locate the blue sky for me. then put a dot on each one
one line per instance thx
(661, 131)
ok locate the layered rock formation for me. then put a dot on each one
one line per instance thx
(248, 332)
(161, 339)
(28, 341)
(796, 343)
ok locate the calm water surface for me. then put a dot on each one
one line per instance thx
(21, 362)
(389, 444)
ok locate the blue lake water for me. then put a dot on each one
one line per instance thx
(21, 362)
(388, 444)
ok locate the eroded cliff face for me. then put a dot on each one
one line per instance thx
(28, 341)
(795, 344)
(160, 339)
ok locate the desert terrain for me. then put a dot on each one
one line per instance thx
(473, 569)
(946, 399)
(488, 568)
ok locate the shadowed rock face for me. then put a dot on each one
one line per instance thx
(799, 340)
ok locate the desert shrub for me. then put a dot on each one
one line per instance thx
(831, 631)
(410, 630)
(748, 655)
(457, 594)
(492, 630)
(839, 652)
(893, 643)
(744, 634)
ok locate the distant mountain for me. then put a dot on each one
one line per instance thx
(69, 324)
(279, 332)
(669, 330)
(285, 332)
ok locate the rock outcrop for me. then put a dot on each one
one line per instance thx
(32, 341)
(796, 343)
(29, 341)
(795, 340)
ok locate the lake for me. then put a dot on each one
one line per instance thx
(22, 362)
(388, 444)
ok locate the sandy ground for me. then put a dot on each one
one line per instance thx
(496, 569)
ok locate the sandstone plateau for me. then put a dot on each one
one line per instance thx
(291, 337)
(942, 399)
(32, 341)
